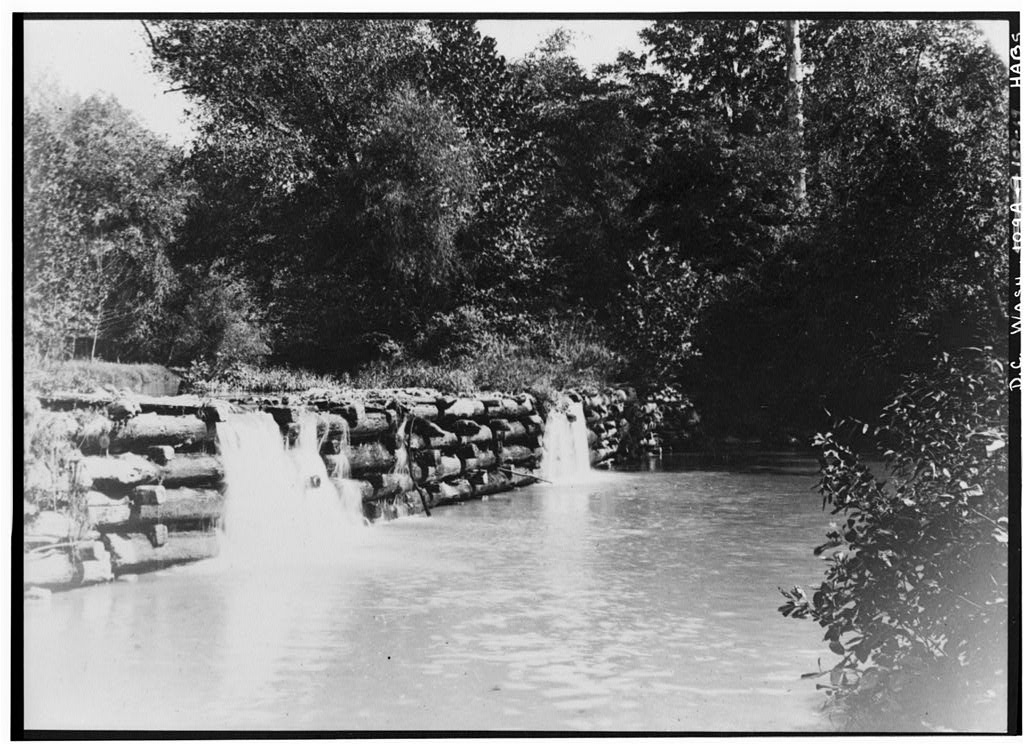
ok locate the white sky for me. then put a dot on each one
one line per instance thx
(91, 56)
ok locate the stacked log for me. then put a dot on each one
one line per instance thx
(153, 484)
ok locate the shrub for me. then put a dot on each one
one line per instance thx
(256, 378)
(467, 351)
(914, 600)
(222, 326)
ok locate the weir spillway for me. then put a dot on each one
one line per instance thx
(160, 480)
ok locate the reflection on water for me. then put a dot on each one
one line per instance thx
(641, 601)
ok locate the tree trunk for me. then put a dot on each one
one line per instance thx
(795, 110)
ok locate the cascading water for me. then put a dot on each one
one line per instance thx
(566, 455)
(281, 508)
(349, 493)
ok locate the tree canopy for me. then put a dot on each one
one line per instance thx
(403, 174)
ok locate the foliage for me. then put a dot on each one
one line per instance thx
(914, 600)
(476, 354)
(221, 325)
(238, 376)
(420, 190)
(395, 190)
(899, 252)
(102, 198)
(337, 169)
(663, 299)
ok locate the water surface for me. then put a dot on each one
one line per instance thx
(642, 601)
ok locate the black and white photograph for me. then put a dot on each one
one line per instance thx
(492, 373)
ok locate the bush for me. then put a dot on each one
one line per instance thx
(914, 600)
(221, 326)
(200, 378)
(467, 351)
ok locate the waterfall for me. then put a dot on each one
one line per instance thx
(281, 508)
(349, 493)
(566, 456)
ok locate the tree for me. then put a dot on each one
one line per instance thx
(898, 254)
(103, 199)
(421, 185)
(332, 151)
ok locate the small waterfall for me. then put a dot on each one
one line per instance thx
(349, 493)
(281, 508)
(401, 467)
(566, 453)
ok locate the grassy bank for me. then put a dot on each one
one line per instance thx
(85, 375)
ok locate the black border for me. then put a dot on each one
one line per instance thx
(18, 731)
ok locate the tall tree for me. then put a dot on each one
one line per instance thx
(103, 200)
(320, 167)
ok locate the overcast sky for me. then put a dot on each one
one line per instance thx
(90, 56)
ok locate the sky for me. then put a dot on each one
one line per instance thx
(90, 56)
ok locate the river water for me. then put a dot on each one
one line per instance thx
(641, 601)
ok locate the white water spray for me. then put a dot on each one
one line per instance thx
(566, 456)
(281, 508)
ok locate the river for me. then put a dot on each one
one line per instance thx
(640, 601)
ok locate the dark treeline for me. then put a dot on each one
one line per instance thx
(396, 190)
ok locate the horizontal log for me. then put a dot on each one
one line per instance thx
(148, 494)
(474, 459)
(362, 459)
(105, 510)
(600, 454)
(428, 429)
(67, 400)
(192, 470)
(140, 433)
(201, 406)
(507, 408)
(182, 505)
(118, 474)
(49, 569)
(420, 443)
(431, 456)
(370, 426)
(492, 483)
(331, 426)
(423, 410)
(465, 409)
(449, 492)
(465, 427)
(447, 466)
(519, 432)
(482, 436)
(514, 454)
(134, 552)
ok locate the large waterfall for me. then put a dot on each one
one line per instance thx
(566, 453)
(281, 507)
